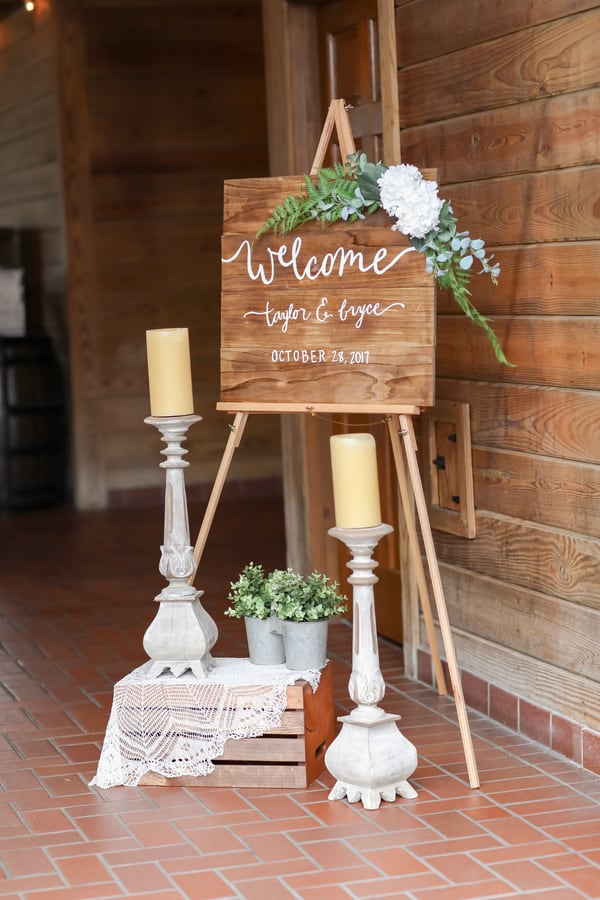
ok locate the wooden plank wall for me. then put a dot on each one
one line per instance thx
(174, 98)
(30, 174)
(176, 104)
(506, 105)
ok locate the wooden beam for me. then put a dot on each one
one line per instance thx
(88, 461)
(295, 121)
(388, 74)
(292, 85)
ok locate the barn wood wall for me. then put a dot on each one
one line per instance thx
(129, 116)
(30, 167)
(507, 107)
(176, 104)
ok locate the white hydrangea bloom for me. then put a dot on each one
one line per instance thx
(413, 200)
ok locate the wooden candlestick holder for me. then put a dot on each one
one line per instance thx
(182, 633)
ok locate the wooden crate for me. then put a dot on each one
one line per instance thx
(290, 756)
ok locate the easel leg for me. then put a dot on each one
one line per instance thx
(415, 552)
(233, 442)
(408, 432)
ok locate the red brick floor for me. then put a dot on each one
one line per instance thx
(75, 599)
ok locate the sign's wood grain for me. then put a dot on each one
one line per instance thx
(342, 314)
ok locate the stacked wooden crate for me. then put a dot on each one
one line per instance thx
(291, 756)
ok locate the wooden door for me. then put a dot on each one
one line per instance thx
(331, 50)
(349, 68)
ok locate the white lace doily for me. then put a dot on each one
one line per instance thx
(177, 725)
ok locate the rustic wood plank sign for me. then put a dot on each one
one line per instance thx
(336, 317)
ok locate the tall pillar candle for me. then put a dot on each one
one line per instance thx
(169, 372)
(355, 480)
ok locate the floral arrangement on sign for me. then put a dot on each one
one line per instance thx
(357, 188)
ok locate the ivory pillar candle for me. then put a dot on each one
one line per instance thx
(169, 372)
(355, 480)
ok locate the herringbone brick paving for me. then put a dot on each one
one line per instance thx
(76, 595)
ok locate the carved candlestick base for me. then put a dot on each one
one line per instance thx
(370, 758)
(182, 634)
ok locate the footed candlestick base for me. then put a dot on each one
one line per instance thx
(182, 634)
(370, 758)
(180, 638)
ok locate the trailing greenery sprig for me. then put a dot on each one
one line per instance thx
(449, 257)
(357, 188)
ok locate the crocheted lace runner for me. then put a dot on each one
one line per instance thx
(177, 726)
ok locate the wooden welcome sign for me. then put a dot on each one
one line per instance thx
(328, 317)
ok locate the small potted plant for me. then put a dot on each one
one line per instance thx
(251, 601)
(304, 605)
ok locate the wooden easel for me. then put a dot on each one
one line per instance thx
(400, 424)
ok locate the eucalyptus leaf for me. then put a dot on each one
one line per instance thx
(368, 188)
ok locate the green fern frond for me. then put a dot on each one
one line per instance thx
(334, 195)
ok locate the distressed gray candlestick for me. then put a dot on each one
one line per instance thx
(370, 758)
(182, 633)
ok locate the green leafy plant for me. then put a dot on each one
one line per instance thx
(307, 598)
(357, 188)
(248, 595)
(285, 594)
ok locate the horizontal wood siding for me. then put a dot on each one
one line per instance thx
(30, 165)
(176, 105)
(551, 57)
(155, 105)
(506, 107)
